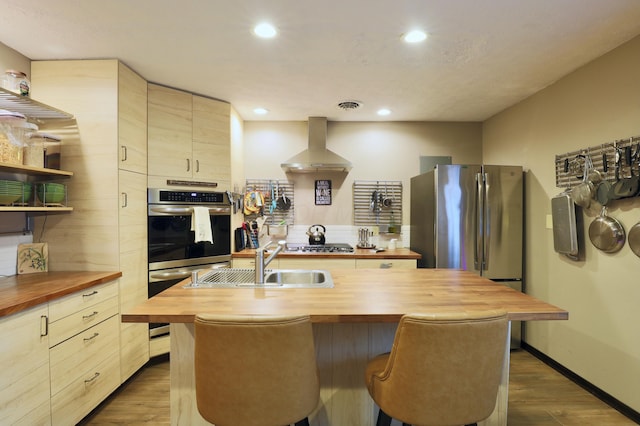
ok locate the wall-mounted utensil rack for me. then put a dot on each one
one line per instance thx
(570, 166)
(377, 203)
(275, 215)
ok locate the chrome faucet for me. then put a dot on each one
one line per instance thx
(261, 263)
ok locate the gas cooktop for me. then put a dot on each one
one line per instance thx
(319, 248)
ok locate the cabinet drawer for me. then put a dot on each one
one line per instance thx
(72, 303)
(311, 263)
(246, 263)
(77, 400)
(82, 352)
(75, 323)
(386, 263)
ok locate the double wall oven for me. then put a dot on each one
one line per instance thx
(173, 252)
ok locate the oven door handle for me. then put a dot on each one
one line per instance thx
(165, 276)
(186, 210)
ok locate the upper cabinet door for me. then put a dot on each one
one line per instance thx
(169, 132)
(132, 120)
(211, 141)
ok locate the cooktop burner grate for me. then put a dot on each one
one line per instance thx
(320, 248)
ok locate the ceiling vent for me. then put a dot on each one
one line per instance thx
(316, 158)
(349, 105)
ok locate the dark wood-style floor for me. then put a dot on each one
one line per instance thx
(538, 396)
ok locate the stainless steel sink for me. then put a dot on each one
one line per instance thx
(300, 278)
(276, 278)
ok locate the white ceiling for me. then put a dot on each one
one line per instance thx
(481, 55)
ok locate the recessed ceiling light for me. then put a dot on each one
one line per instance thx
(384, 111)
(415, 36)
(265, 30)
(261, 111)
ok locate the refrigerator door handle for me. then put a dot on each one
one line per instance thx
(479, 207)
(486, 235)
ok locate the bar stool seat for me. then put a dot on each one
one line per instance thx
(443, 369)
(253, 370)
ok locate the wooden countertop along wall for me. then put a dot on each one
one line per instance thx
(400, 253)
(20, 292)
(359, 295)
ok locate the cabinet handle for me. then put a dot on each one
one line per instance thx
(386, 265)
(44, 325)
(197, 166)
(88, 339)
(124, 153)
(95, 376)
(124, 200)
(188, 165)
(90, 294)
(90, 316)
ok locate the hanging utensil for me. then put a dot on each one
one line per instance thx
(272, 204)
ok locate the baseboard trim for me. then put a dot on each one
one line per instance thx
(589, 387)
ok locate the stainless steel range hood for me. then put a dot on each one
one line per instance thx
(316, 158)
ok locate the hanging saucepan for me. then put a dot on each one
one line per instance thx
(606, 233)
(284, 202)
(627, 186)
(386, 201)
(582, 193)
(634, 239)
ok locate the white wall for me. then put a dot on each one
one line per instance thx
(596, 104)
(377, 150)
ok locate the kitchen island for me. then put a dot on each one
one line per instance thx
(353, 322)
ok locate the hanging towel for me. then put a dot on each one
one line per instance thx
(201, 224)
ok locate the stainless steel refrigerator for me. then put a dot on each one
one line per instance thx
(470, 217)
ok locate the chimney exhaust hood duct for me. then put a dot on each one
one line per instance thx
(316, 158)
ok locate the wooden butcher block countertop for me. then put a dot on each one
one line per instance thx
(400, 253)
(20, 292)
(359, 295)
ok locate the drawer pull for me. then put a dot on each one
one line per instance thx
(95, 376)
(44, 325)
(90, 316)
(90, 294)
(386, 265)
(88, 339)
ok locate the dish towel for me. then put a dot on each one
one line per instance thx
(201, 224)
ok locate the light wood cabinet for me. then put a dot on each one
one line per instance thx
(386, 263)
(84, 354)
(169, 133)
(246, 263)
(189, 138)
(212, 140)
(106, 147)
(24, 394)
(309, 263)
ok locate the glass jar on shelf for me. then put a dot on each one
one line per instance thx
(10, 142)
(16, 82)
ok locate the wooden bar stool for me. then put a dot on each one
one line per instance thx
(255, 370)
(443, 369)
